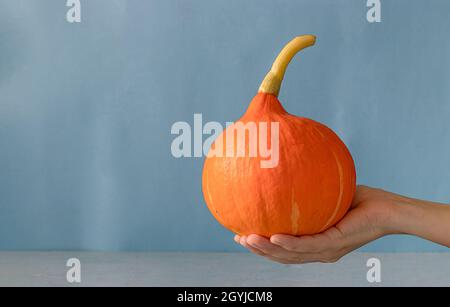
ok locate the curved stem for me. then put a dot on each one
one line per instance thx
(272, 82)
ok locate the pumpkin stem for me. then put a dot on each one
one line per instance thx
(272, 82)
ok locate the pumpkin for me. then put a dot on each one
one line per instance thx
(308, 190)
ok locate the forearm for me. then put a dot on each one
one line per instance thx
(424, 219)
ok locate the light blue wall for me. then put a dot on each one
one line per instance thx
(86, 109)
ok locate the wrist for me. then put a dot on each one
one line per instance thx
(397, 213)
(406, 216)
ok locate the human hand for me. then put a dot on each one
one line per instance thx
(370, 217)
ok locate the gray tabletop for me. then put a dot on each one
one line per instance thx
(218, 269)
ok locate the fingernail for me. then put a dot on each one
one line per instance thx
(274, 241)
(243, 240)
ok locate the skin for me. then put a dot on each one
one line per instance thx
(374, 213)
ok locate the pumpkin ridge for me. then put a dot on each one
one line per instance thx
(295, 213)
(263, 208)
(237, 208)
(341, 193)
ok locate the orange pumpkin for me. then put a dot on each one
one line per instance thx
(308, 190)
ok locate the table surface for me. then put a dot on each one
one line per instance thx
(218, 269)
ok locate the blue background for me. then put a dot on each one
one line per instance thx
(86, 109)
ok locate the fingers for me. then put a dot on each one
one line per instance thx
(268, 248)
(315, 248)
(290, 249)
(305, 244)
(263, 247)
(243, 241)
